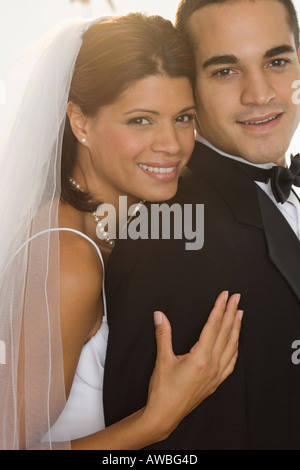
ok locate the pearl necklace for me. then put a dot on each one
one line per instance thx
(101, 233)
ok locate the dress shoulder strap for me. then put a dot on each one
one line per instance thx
(66, 229)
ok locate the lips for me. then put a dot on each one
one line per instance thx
(161, 171)
(258, 122)
(156, 169)
(262, 123)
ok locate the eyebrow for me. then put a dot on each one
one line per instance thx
(283, 49)
(220, 60)
(141, 110)
(232, 59)
(150, 111)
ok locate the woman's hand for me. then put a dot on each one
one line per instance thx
(180, 383)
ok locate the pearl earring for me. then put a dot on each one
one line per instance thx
(83, 140)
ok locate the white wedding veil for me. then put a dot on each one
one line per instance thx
(32, 392)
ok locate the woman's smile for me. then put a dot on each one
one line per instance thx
(163, 171)
(139, 145)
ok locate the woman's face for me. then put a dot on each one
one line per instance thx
(140, 144)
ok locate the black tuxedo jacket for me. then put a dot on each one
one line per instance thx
(249, 248)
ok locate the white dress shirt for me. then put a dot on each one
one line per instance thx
(290, 209)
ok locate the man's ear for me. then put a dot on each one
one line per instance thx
(78, 121)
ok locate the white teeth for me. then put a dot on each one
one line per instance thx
(156, 169)
(262, 122)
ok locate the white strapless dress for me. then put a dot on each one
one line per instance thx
(83, 413)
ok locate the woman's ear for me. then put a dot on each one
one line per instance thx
(78, 121)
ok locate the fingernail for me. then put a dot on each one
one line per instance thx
(157, 318)
(240, 314)
(238, 298)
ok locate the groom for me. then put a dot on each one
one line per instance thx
(247, 60)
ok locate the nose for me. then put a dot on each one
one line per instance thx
(257, 89)
(166, 140)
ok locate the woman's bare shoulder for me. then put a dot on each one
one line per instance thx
(80, 268)
(81, 307)
(79, 256)
(81, 276)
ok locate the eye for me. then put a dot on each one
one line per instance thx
(279, 63)
(139, 121)
(185, 119)
(223, 73)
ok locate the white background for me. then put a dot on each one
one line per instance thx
(22, 21)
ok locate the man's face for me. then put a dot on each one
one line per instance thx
(246, 64)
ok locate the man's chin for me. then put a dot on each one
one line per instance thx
(269, 155)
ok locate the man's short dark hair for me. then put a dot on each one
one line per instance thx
(188, 7)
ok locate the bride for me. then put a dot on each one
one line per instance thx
(105, 110)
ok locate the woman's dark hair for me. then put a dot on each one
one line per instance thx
(116, 53)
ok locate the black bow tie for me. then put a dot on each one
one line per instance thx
(282, 179)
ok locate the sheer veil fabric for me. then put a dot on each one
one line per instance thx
(32, 390)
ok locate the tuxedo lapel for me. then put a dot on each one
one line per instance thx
(230, 182)
(283, 244)
(297, 193)
(252, 206)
